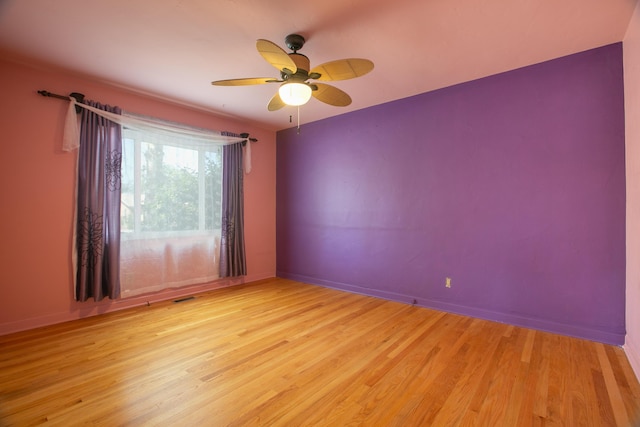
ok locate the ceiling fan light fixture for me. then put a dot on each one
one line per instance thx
(294, 93)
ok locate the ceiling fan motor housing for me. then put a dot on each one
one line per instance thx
(302, 64)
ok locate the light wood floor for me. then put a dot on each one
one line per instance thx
(289, 354)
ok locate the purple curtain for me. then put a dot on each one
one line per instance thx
(232, 253)
(98, 206)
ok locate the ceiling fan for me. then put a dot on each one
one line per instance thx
(295, 73)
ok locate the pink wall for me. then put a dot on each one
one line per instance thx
(631, 48)
(37, 188)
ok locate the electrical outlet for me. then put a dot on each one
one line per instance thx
(447, 282)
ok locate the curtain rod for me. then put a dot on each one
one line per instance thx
(80, 97)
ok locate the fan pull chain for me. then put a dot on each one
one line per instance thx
(291, 119)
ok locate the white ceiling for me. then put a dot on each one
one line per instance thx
(175, 48)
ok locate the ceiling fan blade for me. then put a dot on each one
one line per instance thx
(275, 55)
(331, 95)
(245, 82)
(275, 103)
(342, 69)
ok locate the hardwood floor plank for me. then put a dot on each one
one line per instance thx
(541, 393)
(584, 387)
(532, 365)
(528, 346)
(284, 353)
(625, 379)
(607, 418)
(613, 387)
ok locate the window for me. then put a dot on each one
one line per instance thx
(170, 212)
(169, 189)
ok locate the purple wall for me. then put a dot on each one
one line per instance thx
(512, 185)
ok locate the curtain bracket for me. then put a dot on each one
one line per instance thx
(247, 139)
(79, 97)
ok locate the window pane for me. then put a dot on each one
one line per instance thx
(169, 193)
(169, 188)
